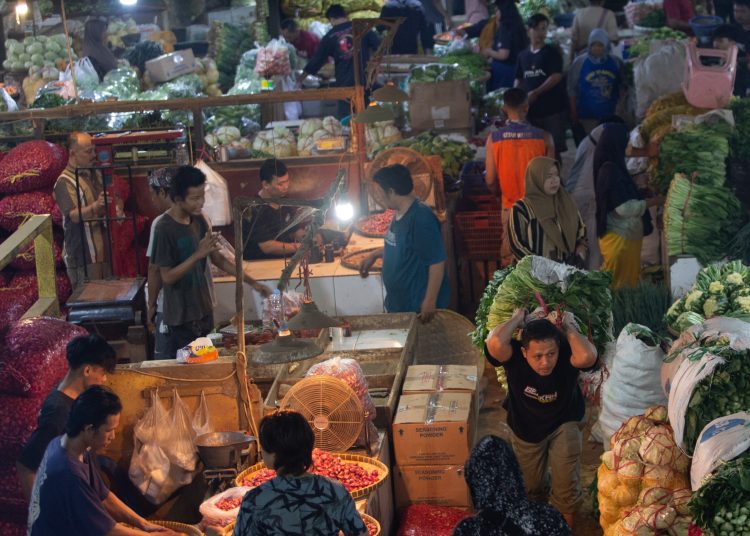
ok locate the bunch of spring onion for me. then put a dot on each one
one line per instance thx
(722, 504)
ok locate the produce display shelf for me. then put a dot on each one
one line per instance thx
(370, 464)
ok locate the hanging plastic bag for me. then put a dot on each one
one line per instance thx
(85, 75)
(293, 109)
(222, 509)
(218, 207)
(150, 465)
(273, 59)
(181, 451)
(201, 419)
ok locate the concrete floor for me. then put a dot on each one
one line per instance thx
(492, 421)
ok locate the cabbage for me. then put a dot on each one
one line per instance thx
(35, 48)
(37, 60)
(309, 126)
(226, 135)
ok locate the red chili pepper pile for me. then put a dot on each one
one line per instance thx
(428, 520)
(377, 223)
(228, 504)
(372, 529)
(352, 475)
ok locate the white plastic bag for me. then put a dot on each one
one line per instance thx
(658, 74)
(215, 516)
(292, 109)
(218, 206)
(722, 440)
(150, 465)
(273, 59)
(201, 418)
(634, 384)
(85, 75)
(181, 449)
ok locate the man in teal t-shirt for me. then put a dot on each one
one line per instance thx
(414, 255)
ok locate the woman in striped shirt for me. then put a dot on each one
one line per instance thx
(546, 222)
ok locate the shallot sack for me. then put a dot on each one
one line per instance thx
(17, 425)
(32, 165)
(220, 509)
(14, 302)
(16, 209)
(34, 358)
(28, 280)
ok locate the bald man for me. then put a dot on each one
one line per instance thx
(87, 248)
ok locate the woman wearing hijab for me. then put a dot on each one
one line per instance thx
(508, 41)
(412, 30)
(594, 83)
(621, 216)
(546, 221)
(502, 507)
(95, 47)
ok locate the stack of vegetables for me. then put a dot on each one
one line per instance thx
(209, 76)
(453, 67)
(719, 290)
(535, 282)
(453, 154)
(313, 130)
(647, 302)
(141, 53)
(278, 142)
(380, 135)
(40, 51)
(722, 503)
(643, 486)
(119, 28)
(227, 43)
(707, 375)
(642, 47)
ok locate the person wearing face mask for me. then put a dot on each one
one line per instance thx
(594, 83)
(500, 502)
(546, 221)
(545, 404)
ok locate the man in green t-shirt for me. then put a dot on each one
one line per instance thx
(182, 242)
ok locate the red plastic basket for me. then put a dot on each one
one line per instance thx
(478, 234)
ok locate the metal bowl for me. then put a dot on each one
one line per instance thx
(223, 449)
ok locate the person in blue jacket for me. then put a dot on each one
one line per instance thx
(594, 83)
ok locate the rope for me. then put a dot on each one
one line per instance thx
(189, 380)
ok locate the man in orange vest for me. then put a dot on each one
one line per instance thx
(509, 150)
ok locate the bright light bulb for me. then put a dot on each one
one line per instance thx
(344, 212)
(128, 2)
(22, 8)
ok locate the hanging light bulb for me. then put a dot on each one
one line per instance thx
(22, 8)
(128, 2)
(344, 211)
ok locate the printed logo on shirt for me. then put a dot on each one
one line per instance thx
(534, 72)
(346, 45)
(602, 80)
(390, 238)
(532, 393)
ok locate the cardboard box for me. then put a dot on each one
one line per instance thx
(441, 485)
(435, 378)
(170, 66)
(440, 105)
(433, 428)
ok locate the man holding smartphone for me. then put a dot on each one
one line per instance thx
(183, 241)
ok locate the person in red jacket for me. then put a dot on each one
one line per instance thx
(304, 42)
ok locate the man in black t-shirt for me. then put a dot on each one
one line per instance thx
(269, 232)
(90, 359)
(544, 403)
(539, 71)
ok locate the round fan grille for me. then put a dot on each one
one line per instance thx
(421, 172)
(332, 409)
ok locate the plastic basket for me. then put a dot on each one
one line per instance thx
(704, 26)
(472, 177)
(478, 235)
(479, 202)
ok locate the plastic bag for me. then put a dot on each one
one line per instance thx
(222, 515)
(201, 418)
(273, 59)
(201, 350)
(658, 74)
(722, 440)
(292, 305)
(349, 371)
(293, 109)
(150, 465)
(181, 449)
(85, 75)
(218, 207)
(634, 383)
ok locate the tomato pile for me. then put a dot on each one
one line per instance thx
(372, 529)
(228, 503)
(377, 223)
(352, 475)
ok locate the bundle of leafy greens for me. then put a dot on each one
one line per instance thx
(647, 303)
(700, 218)
(585, 294)
(480, 333)
(722, 504)
(719, 290)
(740, 142)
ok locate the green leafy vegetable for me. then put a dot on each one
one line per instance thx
(142, 52)
(479, 334)
(722, 504)
(647, 304)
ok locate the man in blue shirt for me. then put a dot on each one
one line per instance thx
(414, 255)
(69, 496)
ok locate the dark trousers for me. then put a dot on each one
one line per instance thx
(182, 335)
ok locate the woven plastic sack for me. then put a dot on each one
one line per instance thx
(34, 359)
(32, 165)
(214, 515)
(16, 209)
(722, 440)
(28, 280)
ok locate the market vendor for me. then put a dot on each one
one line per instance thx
(338, 44)
(414, 255)
(509, 150)
(412, 31)
(96, 47)
(678, 14)
(90, 358)
(588, 19)
(508, 41)
(295, 501)
(540, 73)
(85, 249)
(305, 43)
(724, 37)
(69, 496)
(544, 403)
(183, 243)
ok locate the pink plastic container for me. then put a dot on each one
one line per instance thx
(709, 86)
